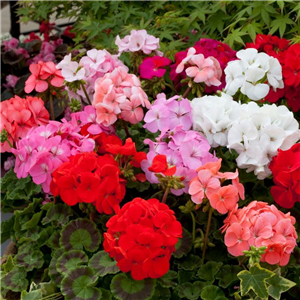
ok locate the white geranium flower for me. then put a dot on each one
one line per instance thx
(248, 57)
(254, 91)
(274, 73)
(234, 76)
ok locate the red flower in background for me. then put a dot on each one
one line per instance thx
(142, 237)
(286, 176)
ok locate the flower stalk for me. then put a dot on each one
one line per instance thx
(210, 212)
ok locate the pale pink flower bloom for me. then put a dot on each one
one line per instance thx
(73, 72)
(131, 111)
(189, 55)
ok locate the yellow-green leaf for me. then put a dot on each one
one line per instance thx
(255, 279)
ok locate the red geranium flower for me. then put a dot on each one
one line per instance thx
(160, 165)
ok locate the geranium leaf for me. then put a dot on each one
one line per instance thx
(70, 260)
(184, 244)
(278, 284)
(15, 280)
(6, 229)
(53, 241)
(123, 287)
(168, 280)
(255, 279)
(103, 264)
(106, 295)
(79, 283)
(27, 247)
(45, 234)
(228, 274)
(9, 264)
(189, 263)
(161, 293)
(31, 260)
(58, 214)
(55, 276)
(190, 290)
(212, 292)
(32, 234)
(185, 276)
(79, 234)
(209, 270)
(32, 223)
(33, 295)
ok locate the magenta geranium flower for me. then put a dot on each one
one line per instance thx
(153, 67)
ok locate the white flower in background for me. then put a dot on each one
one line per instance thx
(253, 74)
(255, 133)
(213, 115)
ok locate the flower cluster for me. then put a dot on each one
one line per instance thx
(89, 178)
(142, 237)
(254, 132)
(201, 69)
(186, 149)
(43, 73)
(207, 185)
(261, 225)
(45, 148)
(138, 40)
(19, 115)
(13, 45)
(91, 67)
(209, 48)
(119, 94)
(213, 116)
(285, 168)
(253, 74)
(289, 58)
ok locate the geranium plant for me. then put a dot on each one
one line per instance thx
(157, 183)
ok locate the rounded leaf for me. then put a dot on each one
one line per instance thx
(31, 260)
(103, 264)
(70, 260)
(79, 234)
(15, 280)
(184, 244)
(79, 283)
(124, 287)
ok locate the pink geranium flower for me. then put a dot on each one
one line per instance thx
(153, 67)
(34, 82)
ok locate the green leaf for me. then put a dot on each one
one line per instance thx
(124, 287)
(6, 229)
(79, 234)
(31, 260)
(209, 270)
(211, 292)
(161, 293)
(168, 280)
(33, 295)
(58, 214)
(184, 244)
(185, 276)
(103, 264)
(255, 279)
(32, 223)
(191, 262)
(45, 235)
(70, 260)
(15, 280)
(278, 285)
(189, 290)
(53, 241)
(55, 276)
(9, 264)
(280, 24)
(228, 274)
(79, 284)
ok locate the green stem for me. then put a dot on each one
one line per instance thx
(156, 194)
(164, 199)
(86, 94)
(126, 129)
(194, 227)
(207, 233)
(9, 143)
(171, 87)
(186, 92)
(51, 107)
